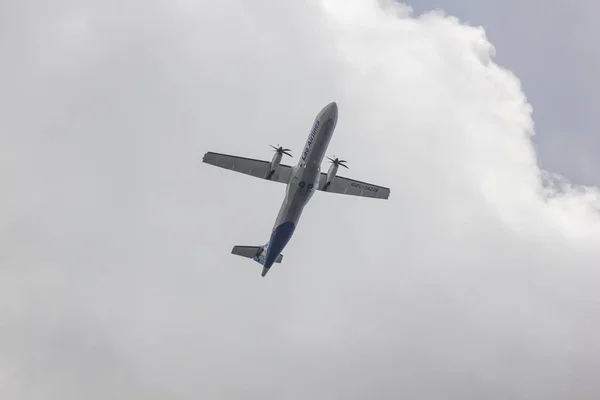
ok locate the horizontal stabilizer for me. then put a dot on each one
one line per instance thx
(251, 252)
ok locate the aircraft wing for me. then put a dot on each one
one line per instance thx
(353, 187)
(248, 166)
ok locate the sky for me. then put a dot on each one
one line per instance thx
(476, 279)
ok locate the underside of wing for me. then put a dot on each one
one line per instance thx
(257, 168)
(352, 187)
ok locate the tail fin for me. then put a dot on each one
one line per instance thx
(257, 253)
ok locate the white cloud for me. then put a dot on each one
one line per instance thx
(474, 280)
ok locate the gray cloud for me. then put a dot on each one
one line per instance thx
(472, 281)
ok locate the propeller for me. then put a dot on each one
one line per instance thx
(281, 150)
(337, 161)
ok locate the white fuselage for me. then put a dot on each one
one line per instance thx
(303, 182)
(305, 174)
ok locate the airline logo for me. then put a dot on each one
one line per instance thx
(309, 142)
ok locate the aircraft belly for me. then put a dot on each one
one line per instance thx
(290, 212)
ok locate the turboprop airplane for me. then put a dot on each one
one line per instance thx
(302, 180)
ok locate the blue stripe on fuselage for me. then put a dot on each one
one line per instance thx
(279, 239)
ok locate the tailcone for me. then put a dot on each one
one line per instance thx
(264, 271)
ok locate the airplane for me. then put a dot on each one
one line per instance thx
(301, 182)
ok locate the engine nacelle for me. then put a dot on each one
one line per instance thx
(274, 164)
(275, 161)
(330, 175)
(333, 170)
(279, 152)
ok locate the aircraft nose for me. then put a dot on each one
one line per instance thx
(332, 109)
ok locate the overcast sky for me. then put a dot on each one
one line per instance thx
(477, 278)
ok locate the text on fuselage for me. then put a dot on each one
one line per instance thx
(311, 137)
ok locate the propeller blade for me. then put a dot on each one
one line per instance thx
(281, 150)
(337, 161)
